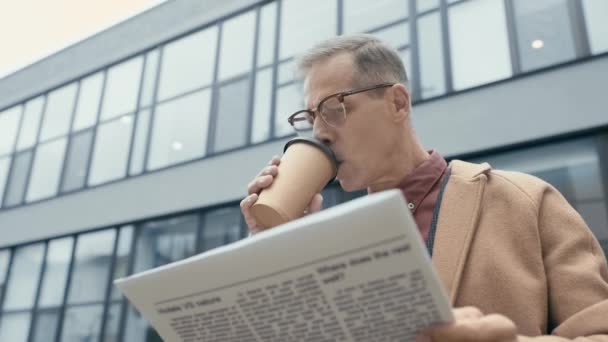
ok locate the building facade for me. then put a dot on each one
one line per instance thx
(131, 149)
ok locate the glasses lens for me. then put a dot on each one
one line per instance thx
(333, 111)
(302, 121)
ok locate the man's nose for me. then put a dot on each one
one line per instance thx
(320, 131)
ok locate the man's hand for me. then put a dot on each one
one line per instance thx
(262, 181)
(472, 325)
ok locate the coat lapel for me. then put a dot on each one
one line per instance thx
(457, 223)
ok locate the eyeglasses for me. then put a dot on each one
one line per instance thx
(331, 109)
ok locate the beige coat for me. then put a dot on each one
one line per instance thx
(509, 243)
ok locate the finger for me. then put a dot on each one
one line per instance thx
(272, 170)
(487, 328)
(467, 312)
(276, 160)
(246, 204)
(316, 204)
(259, 183)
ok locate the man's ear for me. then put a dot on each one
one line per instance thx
(401, 102)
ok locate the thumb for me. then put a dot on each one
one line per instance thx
(316, 204)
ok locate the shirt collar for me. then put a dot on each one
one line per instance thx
(417, 185)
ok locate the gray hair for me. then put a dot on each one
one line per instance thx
(375, 61)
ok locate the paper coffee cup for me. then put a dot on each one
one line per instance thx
(306, 167)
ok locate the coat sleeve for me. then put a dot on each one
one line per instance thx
(576, 270)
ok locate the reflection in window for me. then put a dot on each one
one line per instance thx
(573, 168)
(140, 142)
(544, 34)
(9, 124)
(122, 88)
(188, 63)
(289, 100)
(432, 74)
(596, 12)
(297, 33)
(149, 82)
(15, 188)
(221, 227)
(77, 161)
(31, 123)
(111, 151)
(232, 115)
(56, 272)
(89, 97)
(46, 171)
(266, 38)
(262, 106)
(5, 165)
(395, 36)
(4, 260)
(480, 47)
(82, 323)
(14, 327)
(91, 267)
(364, 15)
(58, 112)
(165, 241)
(236, 53)
(47, 322)
(23, 281)
(180, 130)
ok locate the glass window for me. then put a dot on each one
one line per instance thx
(222, 226)
(297, 33)
(5, 165)
(82, 323)
(425, 5)
(149, 83)
(46, 171)
(164, 241)
(596, 12)
(15, 188)
(396, 36)
(364, 15)
(123, 255)
(9, 125)
(289, 100)
(286, 72)
(31, 123)
(544, 33)
(113, 319)
(46, 325)
(91, 266)
(58, 112)
(56, 272)
(188, 63)
(89, 97)
(180, 130)
(232, 115)
(331, 196)
(122, 88)
(140, 142)
(480, 47)
(236, 53)
(111, 151)
(4, 260)
(79, 153)
(262, 106)
(432, 72)
(266, 38)
(15, 327)
(23, 281)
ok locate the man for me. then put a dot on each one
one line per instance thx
(516, 259)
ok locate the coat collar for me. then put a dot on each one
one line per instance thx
(457, 222)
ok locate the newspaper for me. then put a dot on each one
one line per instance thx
(355, 272)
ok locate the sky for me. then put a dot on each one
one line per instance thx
(33, 29)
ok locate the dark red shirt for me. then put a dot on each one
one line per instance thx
(421, 189)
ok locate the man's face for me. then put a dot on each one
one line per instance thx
(363, 140)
